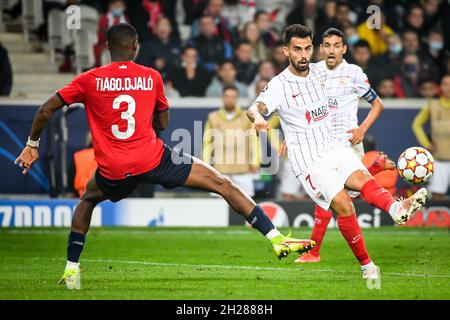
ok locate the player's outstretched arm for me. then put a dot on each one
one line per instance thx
(372, 116)
(30, 153)
(254, 113)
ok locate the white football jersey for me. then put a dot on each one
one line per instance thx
(344, 86)
(301, 103)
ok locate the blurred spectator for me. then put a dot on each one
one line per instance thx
(251, 33)
(386, 88)
(414, 20)
(428, 89)
(226, 76)
(277, 10)
(278, 58)
(436, 49)
(114, 16)
(390, 61)
(6, 74)
(406, 83)
(386, 179)
(85, 165)
(235, 151)
(266, 72)
(431, 14)
(211, 48)
(351, 35)
(189, 78)
(154, 11)
(161, 49)
(437, 114)
(411, 43)
(193, 10)
(362, 57)
(239, 12)
(267, 31)
(377, 38)
(309, 14)
(223, 28)
(344, 15)
(246, 69)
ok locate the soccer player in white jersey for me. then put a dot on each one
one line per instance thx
(326, 171)
(345, 84)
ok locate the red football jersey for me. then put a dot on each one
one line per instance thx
(120, 100)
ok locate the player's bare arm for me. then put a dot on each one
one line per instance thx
(30, 153)
(372, 116)
(161, 120)
(254, 113)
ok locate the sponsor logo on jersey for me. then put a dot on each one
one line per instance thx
(317, 114)
(332, 103)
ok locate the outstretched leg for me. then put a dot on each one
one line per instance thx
(374, 194)
(205, 177)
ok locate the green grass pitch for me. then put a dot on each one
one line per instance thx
(221, 263)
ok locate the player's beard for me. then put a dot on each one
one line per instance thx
(298, 67)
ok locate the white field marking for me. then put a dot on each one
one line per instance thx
(170, 264)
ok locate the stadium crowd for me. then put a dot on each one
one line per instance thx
(237, 42)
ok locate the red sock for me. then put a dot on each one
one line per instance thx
(376, 195)
(374, 169)
(351, 231)
(321, 220)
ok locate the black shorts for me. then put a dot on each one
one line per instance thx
(172, 171)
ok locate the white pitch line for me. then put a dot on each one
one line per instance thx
(171, 264)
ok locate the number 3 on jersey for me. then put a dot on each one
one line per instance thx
(126, 115)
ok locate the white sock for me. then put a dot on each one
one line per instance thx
(72, 265)
(393, 209)
(272, 234)
(370, 264)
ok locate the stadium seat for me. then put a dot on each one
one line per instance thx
(32, 16)
(86, 38)
(58, 33)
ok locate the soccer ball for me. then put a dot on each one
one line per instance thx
(415, 165)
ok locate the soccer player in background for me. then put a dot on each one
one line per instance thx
(125, 103)
(298, 95)
(345, 84)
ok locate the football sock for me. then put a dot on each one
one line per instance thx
(321, 220)
(375, 168)
(261, 222)
(377, 196)
(75, 246)
(351, 231)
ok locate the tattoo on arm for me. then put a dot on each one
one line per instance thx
(255, 108)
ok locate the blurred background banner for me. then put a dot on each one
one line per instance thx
(129, 212)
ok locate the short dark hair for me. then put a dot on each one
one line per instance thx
(221, 64)
(297, 31)
(258, 13)
(334, 32)
(120, 35)
(187, 47)
(361, 43)
(229, 87)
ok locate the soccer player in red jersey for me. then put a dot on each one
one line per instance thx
(125, 103)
